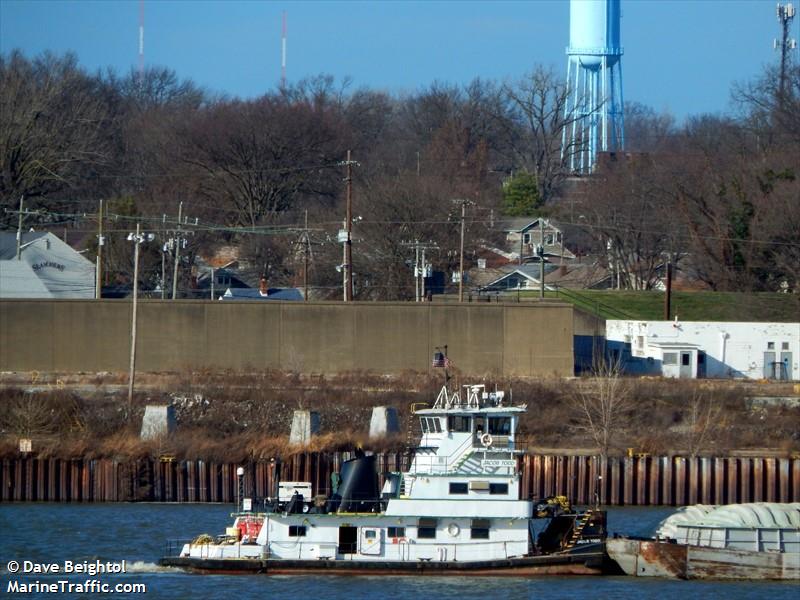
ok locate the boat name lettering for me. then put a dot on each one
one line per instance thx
(489, 462)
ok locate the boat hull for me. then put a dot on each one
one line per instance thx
(653, 558)
(584, 563)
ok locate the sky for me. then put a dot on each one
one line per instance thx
(681, 56)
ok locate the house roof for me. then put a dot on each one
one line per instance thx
(56, 265)
(528, 271)
(18, 280)
(285, 294)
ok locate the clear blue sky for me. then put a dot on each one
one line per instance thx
(680, 55)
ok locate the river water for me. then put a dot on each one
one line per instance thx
(54, 533)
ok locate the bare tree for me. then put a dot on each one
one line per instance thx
(602, 405)
(55, 129)
(703, 422)
(538, 103)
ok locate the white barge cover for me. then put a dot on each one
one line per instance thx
(755, 515)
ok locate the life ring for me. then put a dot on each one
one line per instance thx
(453, 529)
(486, 440)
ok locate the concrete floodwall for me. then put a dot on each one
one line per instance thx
(320, 337)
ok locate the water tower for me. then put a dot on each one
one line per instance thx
(594, 78)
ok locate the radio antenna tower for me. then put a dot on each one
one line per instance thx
(141, 41)
(283, 52)
(785, 14)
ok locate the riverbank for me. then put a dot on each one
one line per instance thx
(231, 416)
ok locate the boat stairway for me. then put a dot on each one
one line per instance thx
(577, 530)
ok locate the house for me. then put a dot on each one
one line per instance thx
(706, 349)
(524, 234)
(47, 268)
(263, 293)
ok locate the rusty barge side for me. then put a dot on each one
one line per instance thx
(654, 558)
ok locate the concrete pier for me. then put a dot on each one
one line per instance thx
(158, 421)
(384, 422)
(305, 425)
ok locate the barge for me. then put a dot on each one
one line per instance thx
(758, 540)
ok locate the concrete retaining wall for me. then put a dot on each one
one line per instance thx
(87, 335)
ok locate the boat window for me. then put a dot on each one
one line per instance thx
(426, 528)
(396, 532)
(500, 425)
(431, 425)
(670, 358)
(370, 534)
(479, 529)
(459, 424)
(458, 488)
(297, 531)
(480, 424)
(498, 488)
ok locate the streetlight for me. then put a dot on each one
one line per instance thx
(137, 239)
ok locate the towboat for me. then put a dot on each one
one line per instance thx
(455, 509)
(759, 540)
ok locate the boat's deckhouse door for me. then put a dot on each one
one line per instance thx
(370, 540)
(348, 539)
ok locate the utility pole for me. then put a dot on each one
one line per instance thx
(461, 250)
(19, 228)
(98, 286)
(345, 234)
(305, 260)
(212, 283)
(668, 295)
(163, 271)
(177, 253)
(541, 257)
(138, 238)
(348, 251)
(416, 271)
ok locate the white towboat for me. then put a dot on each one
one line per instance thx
(456, 508)
(759, 540)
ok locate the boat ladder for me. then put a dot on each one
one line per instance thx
(577, 531)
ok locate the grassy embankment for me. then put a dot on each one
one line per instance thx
(237, 416)
(688, 306)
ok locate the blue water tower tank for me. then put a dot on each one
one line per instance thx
(594, 79)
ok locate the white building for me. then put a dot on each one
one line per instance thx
(706, 349)
(47, 268)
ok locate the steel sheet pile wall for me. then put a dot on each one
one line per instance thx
(649, 480)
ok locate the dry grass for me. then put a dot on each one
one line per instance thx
(230, 415)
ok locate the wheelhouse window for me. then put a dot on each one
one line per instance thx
(396, 532)
(458, 488)
(479, 529)
(500, 425)
(426, 529)
(297, 531)
(498, 488)
(431, 425)
(459, 424)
